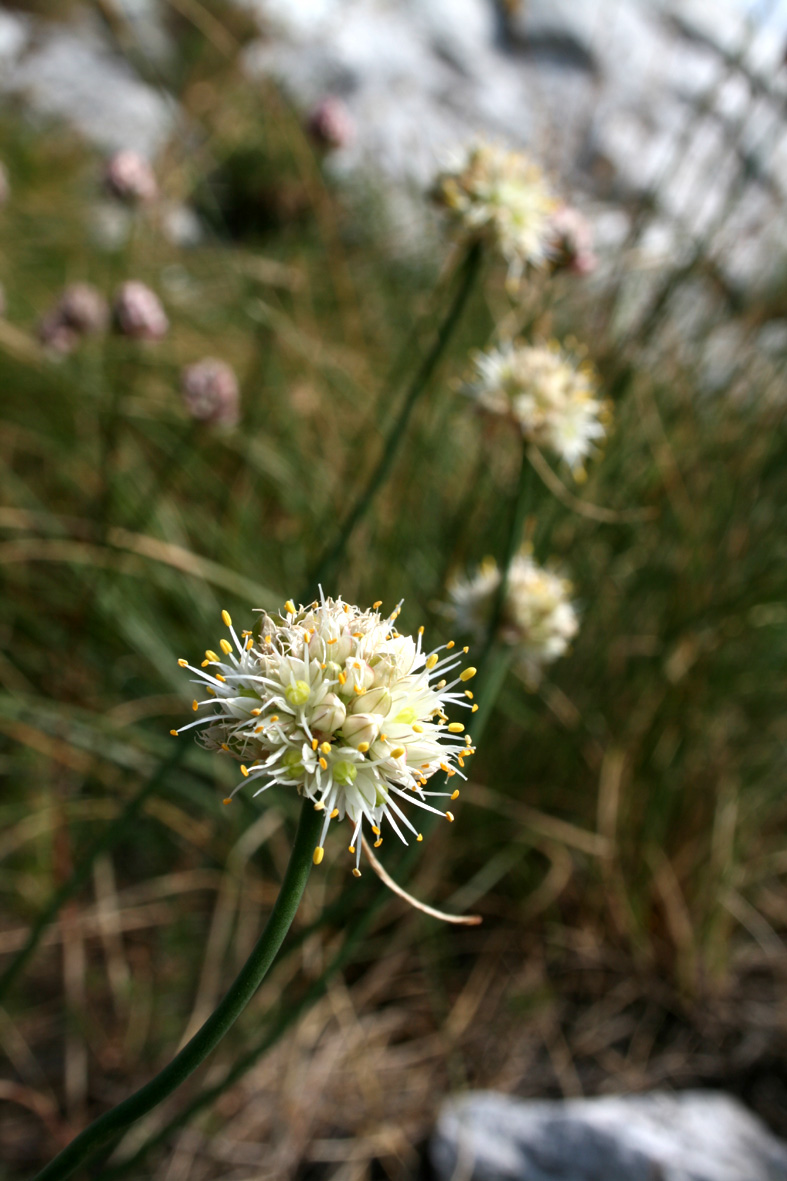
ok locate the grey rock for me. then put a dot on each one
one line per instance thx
(70, 72)
(691, 1136)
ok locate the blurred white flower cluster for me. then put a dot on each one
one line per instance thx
(333, 701)
(536, 615)
(550, 396)
(502, 197)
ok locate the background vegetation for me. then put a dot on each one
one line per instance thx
(623, 833)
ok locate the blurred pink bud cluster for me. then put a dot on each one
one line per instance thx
(130, 178)
(330, 124)
(210, 392)
(80, 311)
(139, 313)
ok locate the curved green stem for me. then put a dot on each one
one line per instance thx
(327, 564)
(194, 1053)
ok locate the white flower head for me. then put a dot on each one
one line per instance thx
(536, 615)
(550, 394)
(334, 702)
(501, 196)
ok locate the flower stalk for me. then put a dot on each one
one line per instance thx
(114, 1122)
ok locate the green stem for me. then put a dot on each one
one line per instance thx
(109, 838)
(194, 1053)
(519, 509)
(327, 564)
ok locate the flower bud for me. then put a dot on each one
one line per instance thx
(330, 124)
(375, 701)
(361, 728)
(129, 177)
(138, 312)
(210, 392)
(84, 309)
(329, 715)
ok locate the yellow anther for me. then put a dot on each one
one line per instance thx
(318, 855)
(445, 767)
(359, 689)
(224, 747)
(174, 733)
(469, 694)
(315, 743)
(334, 813)
(378, 842)
(335, 640)
(225, 615)
(455, 728)
(245, 633)
(455, 795)
(449, 816)
(323, 763)
(195, 705)
(467, 673)
(183, 663)
(325, 747)
(351, 848)
(356, 872)
(211, 655)
(225, 646)
(397, 752)
(451, 644)
(384, 737)
(244, 770)
(474, 708)
(267, 639)
(228, 800)
(274, 717)
(362, 747)
(421, 630)
(259, 729)
(342, 678)
(420, 836)
(249, 644)
(375, 830)
(450, 772)
(255, 713)
(379, 603)
(319, 806)
(219, 677)
(431, 661)
(418, 728)
(205, 664)
(289, 607)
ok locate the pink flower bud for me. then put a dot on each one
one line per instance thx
(84, 309)
(210, 392)
(129, 177)
(330, 124)
(138, 312)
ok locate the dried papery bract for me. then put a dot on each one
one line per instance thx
(502, 197)
(537, 617)
(549, 394)
(129, 177)
(139, 313)
(210, 392)
(330, 124)
(333, 702)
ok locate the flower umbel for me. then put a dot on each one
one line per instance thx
(503, 197)
(335, 702)
(548, 393)
(537, 616)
